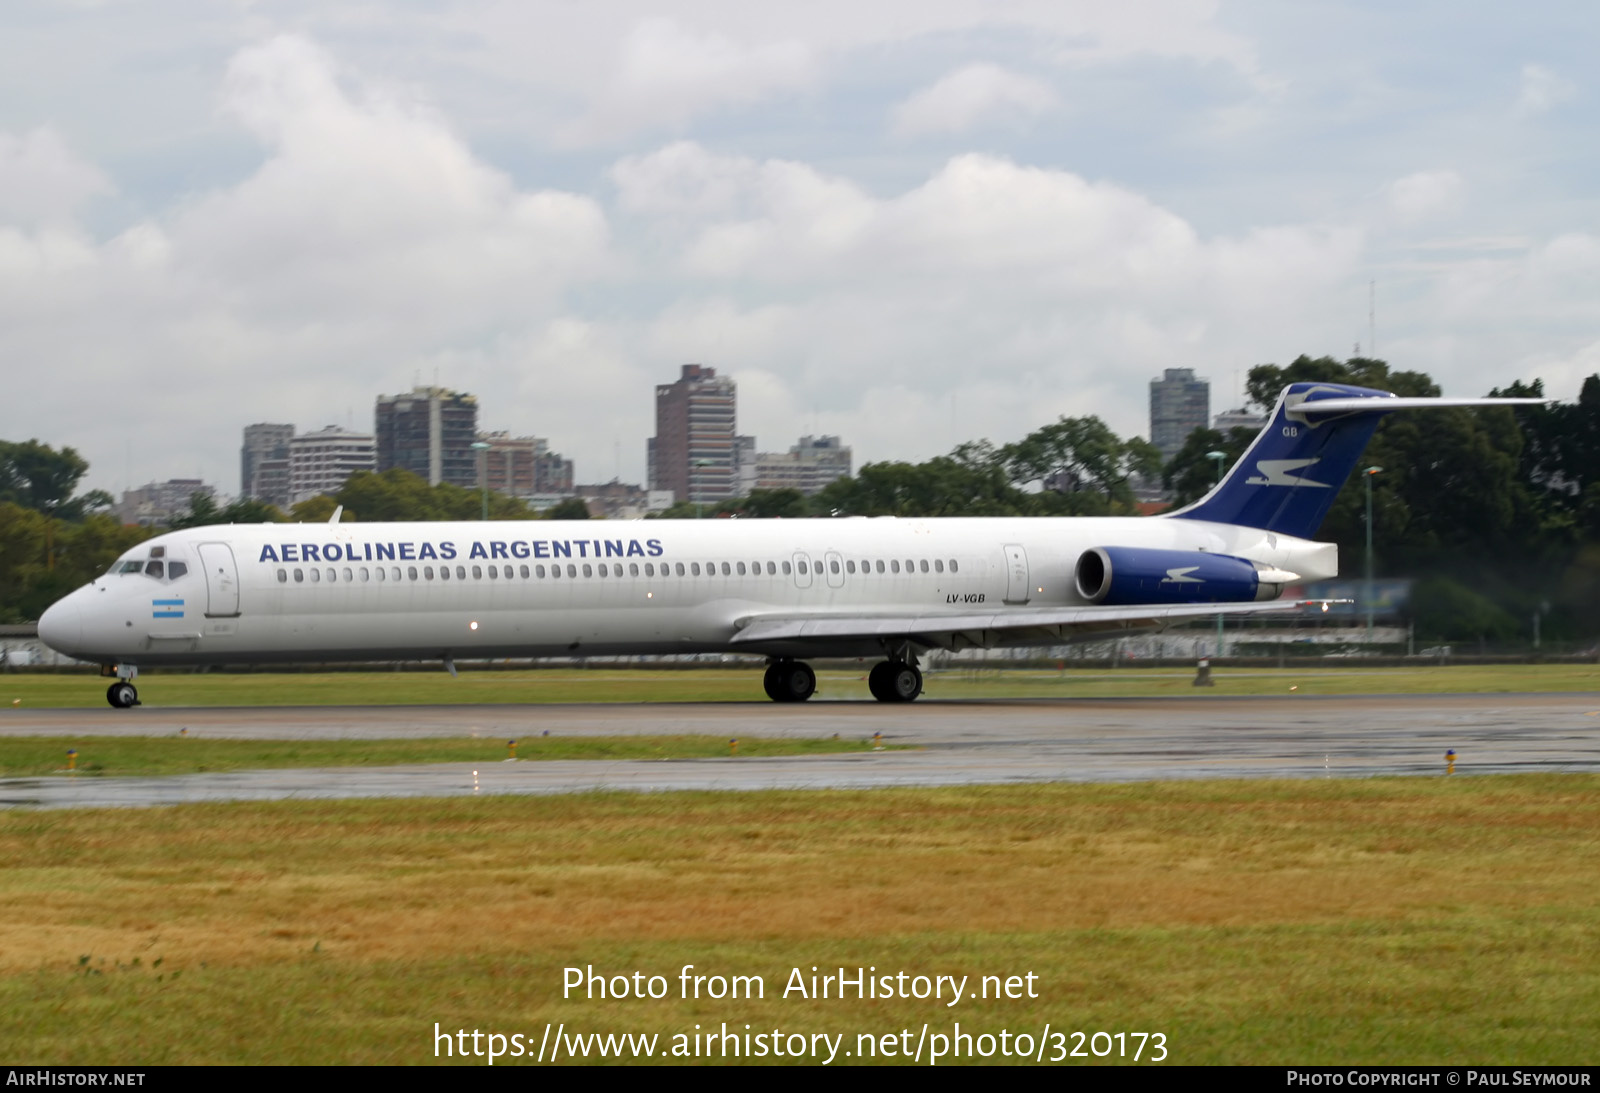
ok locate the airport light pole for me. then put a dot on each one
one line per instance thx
(700, 504)
(483, 473)
(1217, 458)
(1367, 591)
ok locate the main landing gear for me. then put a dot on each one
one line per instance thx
(894, 681)
(122, 694)
(789, 681)
(890, 681)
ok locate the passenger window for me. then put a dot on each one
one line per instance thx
(411, 572)
(365, 576)
(880, 565)
(348, 575)
(833, 567)
(538, 571)
(333, 575)
(394, 571)
(633, 569)
(952, 565)
(787, 569)
(176, 570)
(444, 573)
(803, 569)
(588, 571)
(154, 569)
(492, 575)
(427, 572)
(572, 570)
(924, 565)
(477, 572)
(283, 577)
(316, 576)
(694, 569)
(524, 570)
(378, 572)
(299, 576)
(603, 571)
(938, 565)
(849, 567)
(555, 571)
(679, 568)
(894, 565)
(741, 569)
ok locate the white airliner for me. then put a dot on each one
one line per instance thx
(786, 589)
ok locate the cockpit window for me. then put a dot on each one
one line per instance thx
(176, 570)
(155, 569)
(128, 567)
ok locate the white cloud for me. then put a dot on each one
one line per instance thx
(1425, 195)
(978, 94)
(42, 181)
(1542, 89)
(666, 75)
(1018, 292)
(367, 240)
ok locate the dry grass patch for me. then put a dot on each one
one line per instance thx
(1383, 920)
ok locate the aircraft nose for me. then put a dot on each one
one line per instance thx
(61, 626)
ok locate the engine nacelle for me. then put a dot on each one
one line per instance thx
(1136, 575)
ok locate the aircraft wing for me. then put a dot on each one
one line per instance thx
(986, 628)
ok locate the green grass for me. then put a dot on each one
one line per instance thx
(1396, 920)
(727, 684)
(29, 756)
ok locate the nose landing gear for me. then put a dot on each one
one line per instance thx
(894, 681)
(122, 695)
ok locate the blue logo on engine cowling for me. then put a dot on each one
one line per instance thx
(1135, 576)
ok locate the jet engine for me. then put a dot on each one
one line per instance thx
(1137, 575)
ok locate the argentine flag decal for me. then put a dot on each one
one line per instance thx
(167, 609)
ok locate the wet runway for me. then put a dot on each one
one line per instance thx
(959, 743)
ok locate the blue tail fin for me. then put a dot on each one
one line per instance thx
(1287, 480)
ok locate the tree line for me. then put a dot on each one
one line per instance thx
(1494, 512)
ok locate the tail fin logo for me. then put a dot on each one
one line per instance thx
(1275, 472)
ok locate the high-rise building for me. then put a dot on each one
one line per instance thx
(320, 462)
(429, 432)
(1179, 404)
(523, 466)
(696, 447)
(157, 503)
(808, 467)
(265, 442)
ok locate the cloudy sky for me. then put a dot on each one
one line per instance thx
(907, 223)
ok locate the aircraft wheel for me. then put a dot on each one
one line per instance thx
(790, 681)
(878, 681)
(770, 683)
(122, 695)
(905, 682)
